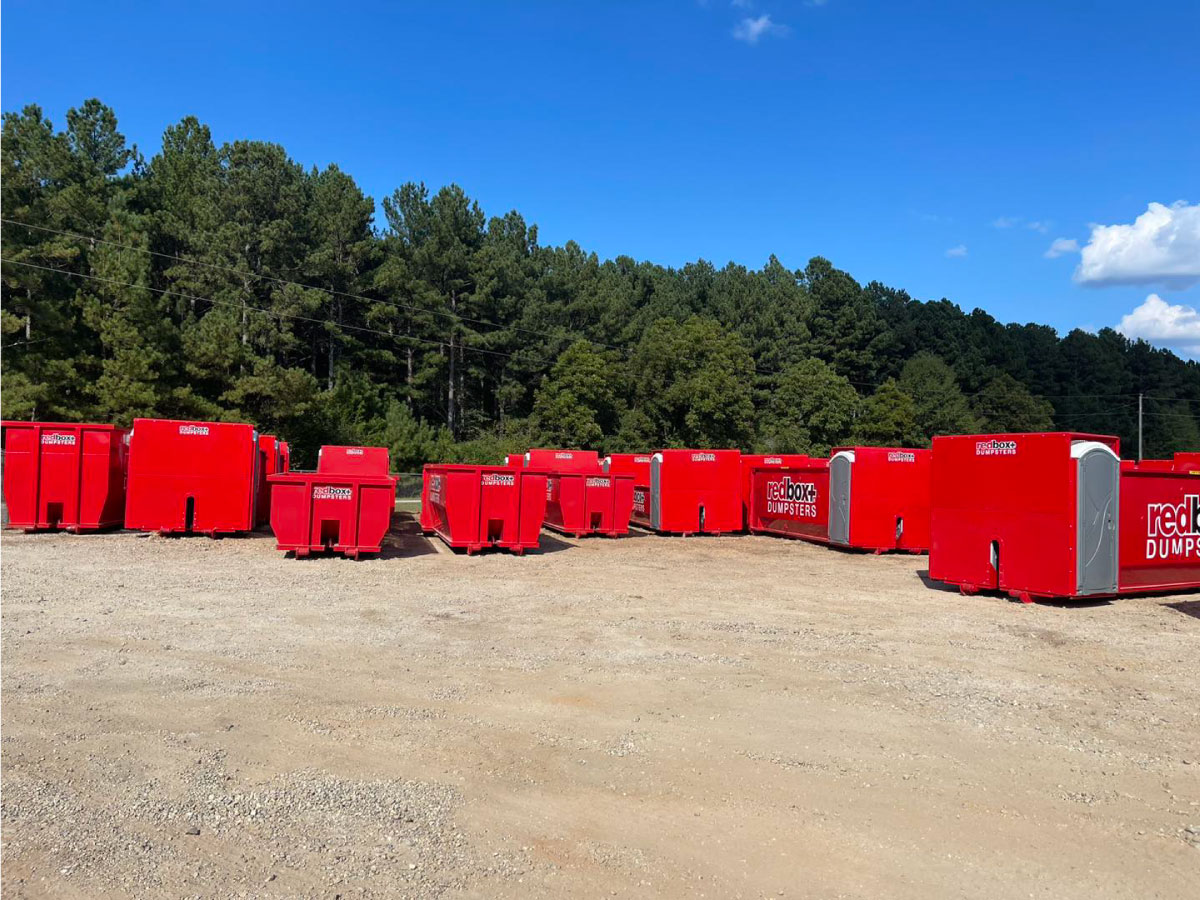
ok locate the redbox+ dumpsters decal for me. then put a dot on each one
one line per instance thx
(751, 461)
(345, 506)
(695, 491)
(475, 507)
(64, 475)
(867, 498)
(197, 477)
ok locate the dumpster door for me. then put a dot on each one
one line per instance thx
(839, 496)
(1098, 473)
(656, 491)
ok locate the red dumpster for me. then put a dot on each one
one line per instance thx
(285, 456)
(867, 498)
(582, 503)
(563, 460)
(64, 475)
(1058, 515)
(696, 491)
(637, 465)
(270, 461)
(344, 507)
(199, 477)
(764, 461)
(473, 507)
(515, 459)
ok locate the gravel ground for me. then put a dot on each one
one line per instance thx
(718, 717)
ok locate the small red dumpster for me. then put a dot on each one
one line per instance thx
(867, 498)
(696, 491)
(752, 461)
(270, 461)
(582, 503)
(637, 465)
(1059, 515)
(199, 477)
(64, 475)
(345, 506)
(563, 460)
(474, 507)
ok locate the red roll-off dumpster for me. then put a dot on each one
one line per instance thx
(344, 507)
(593, 502)
(475, 507)
(270, 461)
(64, 475)
(866, 498)
(199, 477)
(752, 461)
(1035, 515)
(1159, 536)
(696, 491)
(563, 460)
(637, 465)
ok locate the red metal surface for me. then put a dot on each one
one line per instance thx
(637, 465)
(889, 499)
(270, 461)
(475, 507)
(285, 456)
(64, 475)
(764, 461)
(563, 460)
(582, 503)
(697, 491)
(516, 460)
(344, 508)
(1019, 492)
(1160, 528)
(192, 476)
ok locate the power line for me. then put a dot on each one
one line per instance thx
(311, 287)
(268, 312)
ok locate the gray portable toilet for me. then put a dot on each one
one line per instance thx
(1098, 478)
(841, 465)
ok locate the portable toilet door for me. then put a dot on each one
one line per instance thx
(839, 496)
(1098, 473)
(656, 462)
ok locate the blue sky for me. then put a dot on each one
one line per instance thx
(941, 147)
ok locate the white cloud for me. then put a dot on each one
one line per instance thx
(751, 30)
(1166, 324)
(1061, 246)
(1162, 246)
(1039, 227)
(957, 252)
(1006, 221)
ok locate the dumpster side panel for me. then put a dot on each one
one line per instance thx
(696, 490)
(563, 460)
(21, 475)
(473, 507)
(751, 461)
(1159, 530)
(102, 478)
(792, 501)
(339, 460)
(889, 499)
(313, 512)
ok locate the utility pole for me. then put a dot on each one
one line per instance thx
(1139, 426)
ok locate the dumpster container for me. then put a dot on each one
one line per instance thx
(866, 498)
(563, 460)
(516, 460)
(197, 477)
(1059, 515)
(637, 465)
(64, 475)
(695, 491)
(751, 461)
(270, 461)
(345, 507)
(475, 507)
(285, 456)
(583, 503)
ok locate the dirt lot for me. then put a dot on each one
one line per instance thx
(717, 717)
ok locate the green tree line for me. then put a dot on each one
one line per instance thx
(230, 282)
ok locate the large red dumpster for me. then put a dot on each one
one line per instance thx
(868, 498)
(563, 460)
(64, 475)
(752, 461)
(345, 507)
(1058, 515)
(270, 461)
(695, 491)
(637, 465)
(474, 507)
(199, 477)
(594, 502)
